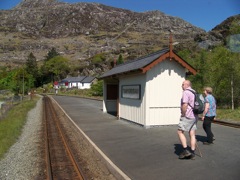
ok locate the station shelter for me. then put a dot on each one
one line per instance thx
(147, 90)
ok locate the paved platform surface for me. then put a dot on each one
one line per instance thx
(152, 154)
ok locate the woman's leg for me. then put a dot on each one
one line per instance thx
(207, 127)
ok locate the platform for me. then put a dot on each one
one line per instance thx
(152, 153)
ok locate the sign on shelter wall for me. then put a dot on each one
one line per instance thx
(131, 91)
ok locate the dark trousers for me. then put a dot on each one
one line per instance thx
(207, 128)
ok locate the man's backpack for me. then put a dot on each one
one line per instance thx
(199, 103)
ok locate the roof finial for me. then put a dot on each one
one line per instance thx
(170, 45)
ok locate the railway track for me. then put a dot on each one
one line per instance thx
(59, 156)
(224, 123)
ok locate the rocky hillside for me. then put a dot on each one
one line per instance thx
(223, 30)
(81, 30)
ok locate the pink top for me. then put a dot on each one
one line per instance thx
(188, 98)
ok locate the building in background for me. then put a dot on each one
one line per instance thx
(79, 82)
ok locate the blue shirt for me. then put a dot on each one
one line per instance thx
(212, 105)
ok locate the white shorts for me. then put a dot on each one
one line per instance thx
(186, 124)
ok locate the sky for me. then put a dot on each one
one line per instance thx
(205, 14)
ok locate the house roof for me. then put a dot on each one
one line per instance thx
(88, 79)
(145, 63)
(81, 79)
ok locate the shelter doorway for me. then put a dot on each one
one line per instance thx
(112, 96)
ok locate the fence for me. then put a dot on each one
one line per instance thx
(9, 103)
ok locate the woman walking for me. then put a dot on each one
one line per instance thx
(209, 114)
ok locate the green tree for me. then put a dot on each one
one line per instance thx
(23, 81)
(3, 75)
(218, 68)
(58, 66)
(199, 63)
(18, 81)
(13, 81)
(222, 74)
(120, 59)
(51, 54)
(234, 61)
(46, 76)
(97, 88)
(32, 68)
(31, 64)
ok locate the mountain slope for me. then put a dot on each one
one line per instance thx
(81, 30)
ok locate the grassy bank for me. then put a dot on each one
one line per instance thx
(229, 115)
(11, 125)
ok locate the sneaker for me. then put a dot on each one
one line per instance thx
(184, 154)
(207, 143)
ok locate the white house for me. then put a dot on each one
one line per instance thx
(80, 82)
(147, 90)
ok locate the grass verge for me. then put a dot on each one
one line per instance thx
(229, 115)
(11, 126)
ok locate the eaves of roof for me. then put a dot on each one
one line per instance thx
(81, 79)
(145, 63)
(88, 79)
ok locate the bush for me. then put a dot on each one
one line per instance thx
(97, 89)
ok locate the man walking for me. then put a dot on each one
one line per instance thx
(188, 121)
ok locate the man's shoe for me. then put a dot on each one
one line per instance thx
(207, 143)
(192, 157)
(185, 154)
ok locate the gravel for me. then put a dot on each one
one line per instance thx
(25, 161)
(22, 161)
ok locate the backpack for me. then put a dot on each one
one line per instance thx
(199, 104)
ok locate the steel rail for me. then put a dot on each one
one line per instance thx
(47, 154)
(65, 143)
(224, 123)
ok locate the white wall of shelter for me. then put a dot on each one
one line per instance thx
(160, 94)
(149, 99)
